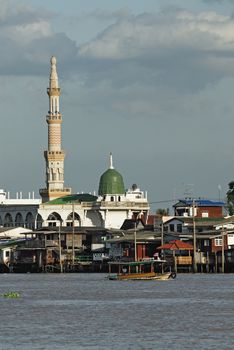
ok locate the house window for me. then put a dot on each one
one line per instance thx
(52, 224)
(205, 214)
(179, 227)
(172, 227)
(218, 242)
(206, 242)
(112, 199)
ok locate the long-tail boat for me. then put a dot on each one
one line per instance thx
(138, 270)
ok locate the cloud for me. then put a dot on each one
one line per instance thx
(218, 1)
(28, 40)
(172, 48)
(150, 34)
(178, 48)
(105, 15)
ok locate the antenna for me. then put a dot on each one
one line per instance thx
(188, 190)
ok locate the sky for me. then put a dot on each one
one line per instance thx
(150, 81)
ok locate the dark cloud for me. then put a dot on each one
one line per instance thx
(27, 40)
(173, 48)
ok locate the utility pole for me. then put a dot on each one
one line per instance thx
(73, 232)
(194, 241)
(60, 249)
(162, 239)
(162, 231)
(223, 257)
(135, 241)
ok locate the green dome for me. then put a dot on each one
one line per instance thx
(111, 182)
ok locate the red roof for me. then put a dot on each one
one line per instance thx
(176, 245)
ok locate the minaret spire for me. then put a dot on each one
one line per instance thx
(53, 74)
(111, 161)
(54, 156)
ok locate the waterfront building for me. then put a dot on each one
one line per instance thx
(58, 206)
(201, 208)
(109, 209)
(19, 211)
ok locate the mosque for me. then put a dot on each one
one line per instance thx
(58, 206)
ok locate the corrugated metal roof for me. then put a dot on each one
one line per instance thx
(200, 203)
(176, 245)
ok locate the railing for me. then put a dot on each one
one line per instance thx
(124, 204)
(51, 243)
(26, 260)
(33, 244)
(184, 260)
(83, 258)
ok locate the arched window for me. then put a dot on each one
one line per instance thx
(19, 220)
(112, 198)
(77, 221)
(54, 219)
(8, 222)
(39, 221)
(29, 222)
(119, 198)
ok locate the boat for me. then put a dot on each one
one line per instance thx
(138, 270)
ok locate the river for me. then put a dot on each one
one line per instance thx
(87, 311)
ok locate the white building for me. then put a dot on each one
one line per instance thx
(107, 210)
(58, 206)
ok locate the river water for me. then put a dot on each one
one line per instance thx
(87, 311)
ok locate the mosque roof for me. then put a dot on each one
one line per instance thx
(74, 198)
(111, 181)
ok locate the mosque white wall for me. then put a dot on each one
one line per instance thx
(115, 218)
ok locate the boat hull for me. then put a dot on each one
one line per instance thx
(142, 277)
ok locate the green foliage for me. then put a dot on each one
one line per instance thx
(12, 295)
(162, 211)
(230, 198)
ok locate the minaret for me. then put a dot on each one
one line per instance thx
(54, 156)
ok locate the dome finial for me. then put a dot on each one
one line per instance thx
(111, 161)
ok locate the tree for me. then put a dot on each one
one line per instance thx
(230, 198)
(165, 212)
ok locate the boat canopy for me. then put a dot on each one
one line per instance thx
(135, 263)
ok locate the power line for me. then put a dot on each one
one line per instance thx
(177, 199)
(164, 201)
